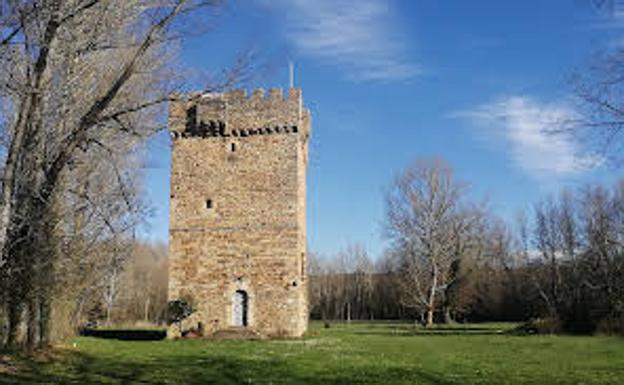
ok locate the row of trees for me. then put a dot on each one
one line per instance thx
(579, 241)
(451, 260)
(130, 291)
(83, 83)
(349, 287)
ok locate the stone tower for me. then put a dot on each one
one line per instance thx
(238, 210)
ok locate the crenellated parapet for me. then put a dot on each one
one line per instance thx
(238, 114)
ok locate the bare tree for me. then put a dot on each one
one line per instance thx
(549, 242)
(82, 82)
(425, 224)
(342, 287)
(472, 236)
(140, 288)
(354, 278)
(602, 264)
(599, 92)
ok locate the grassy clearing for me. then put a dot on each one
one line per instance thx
(361, 353)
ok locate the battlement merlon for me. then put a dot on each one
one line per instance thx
(236, 112)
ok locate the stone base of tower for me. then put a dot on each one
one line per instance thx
(193, 327)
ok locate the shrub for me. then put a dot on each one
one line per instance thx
(611, 325)
(178, 310)
(540, 326)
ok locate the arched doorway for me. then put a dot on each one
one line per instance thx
(239, 308)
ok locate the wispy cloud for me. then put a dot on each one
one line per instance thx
(604, 14)
(535, 135)
(613, 9)
(359, 36)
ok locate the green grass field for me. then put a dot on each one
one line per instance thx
(360, 353)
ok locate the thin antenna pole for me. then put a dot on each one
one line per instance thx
(291, 67)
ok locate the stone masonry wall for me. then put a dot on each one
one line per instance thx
(237, 221)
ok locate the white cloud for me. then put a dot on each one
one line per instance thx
(536, 134)
(359, 36)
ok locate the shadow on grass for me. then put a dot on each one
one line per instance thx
(125, 335)
(409, 330)
(78, 368)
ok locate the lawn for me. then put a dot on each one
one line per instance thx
(360, 353)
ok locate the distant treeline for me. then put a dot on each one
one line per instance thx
(486, 293)
(489, 295)
(561, 265)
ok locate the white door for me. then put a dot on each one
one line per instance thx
(239, 309)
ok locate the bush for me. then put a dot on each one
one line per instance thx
(540, 326)
(178, 310)
(611, 325)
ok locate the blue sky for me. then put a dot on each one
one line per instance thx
(391, 81)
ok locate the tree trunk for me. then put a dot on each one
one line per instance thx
(429, 319)
(14, 309)
(32, 325)
(20, 135)
(45, 319)
(108, 315)
(77, 312)
(448, 317)
(431, 299)
(147, 304)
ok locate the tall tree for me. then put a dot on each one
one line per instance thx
(426, 224)
(83, 81)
